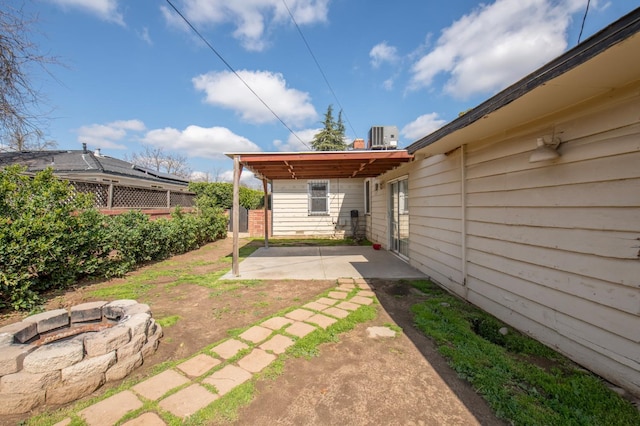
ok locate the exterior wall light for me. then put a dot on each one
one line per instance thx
(546, 151)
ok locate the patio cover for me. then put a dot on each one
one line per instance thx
(321, 164)
(306, 165)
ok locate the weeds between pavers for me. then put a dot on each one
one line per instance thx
(523, 381)
(227, 406)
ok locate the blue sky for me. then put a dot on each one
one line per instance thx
(135, 74)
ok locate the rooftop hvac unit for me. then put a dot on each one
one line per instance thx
(383, 137)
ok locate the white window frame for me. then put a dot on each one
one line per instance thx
(367, 196)
(310, 196)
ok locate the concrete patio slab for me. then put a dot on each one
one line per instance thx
(323, 263)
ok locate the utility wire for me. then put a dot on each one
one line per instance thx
(235, 73)
(320, 68)
(584, 18)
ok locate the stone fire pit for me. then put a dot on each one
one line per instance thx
(59, 356)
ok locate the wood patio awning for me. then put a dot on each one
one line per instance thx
(321, 164)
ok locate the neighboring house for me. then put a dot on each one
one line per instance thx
(83, 164)
(116, 184)
(549, 245)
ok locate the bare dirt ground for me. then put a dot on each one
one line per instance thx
(357, 380)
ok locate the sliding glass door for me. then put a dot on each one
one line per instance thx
(399, 217)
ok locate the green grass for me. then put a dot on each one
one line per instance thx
(168, 321)
(524, 382)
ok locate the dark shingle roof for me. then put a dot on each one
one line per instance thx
(79, 161)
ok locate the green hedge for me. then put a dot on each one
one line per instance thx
(51, 236)
(220, 194)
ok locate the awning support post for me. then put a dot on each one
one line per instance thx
(237, 171)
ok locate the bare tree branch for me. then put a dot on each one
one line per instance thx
(21, 118)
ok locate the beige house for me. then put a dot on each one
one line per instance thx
(546, 238)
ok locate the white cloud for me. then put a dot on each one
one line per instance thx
(381, 53)
(196, 141)
(226, 90)
(422, 126)
(108, 135)
(144, 35)
(107, 10)
(495, 45)
(247, 178)
(251, 18)
(293, 144)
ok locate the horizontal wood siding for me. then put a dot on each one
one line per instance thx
(435, 213)
(291, 208)
(553, 248)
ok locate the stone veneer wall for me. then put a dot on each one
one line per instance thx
(63, 371)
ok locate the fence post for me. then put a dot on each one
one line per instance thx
(110, 197)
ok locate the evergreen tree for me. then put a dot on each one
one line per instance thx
(331, 137)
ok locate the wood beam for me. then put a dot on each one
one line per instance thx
(237, 171)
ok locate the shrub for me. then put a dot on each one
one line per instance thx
(220, 194)
(50, 236)
(46, 231)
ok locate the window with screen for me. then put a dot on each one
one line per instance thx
(318, 197)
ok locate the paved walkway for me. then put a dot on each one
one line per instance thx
(197, 382)
(323, 263)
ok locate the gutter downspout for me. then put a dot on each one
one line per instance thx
(463, 217)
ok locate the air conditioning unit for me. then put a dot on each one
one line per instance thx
(383, 137)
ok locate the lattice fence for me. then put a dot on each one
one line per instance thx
(120, 196)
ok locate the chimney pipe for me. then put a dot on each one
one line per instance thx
(84, 147)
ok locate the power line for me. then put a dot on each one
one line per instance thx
(320, 68)
(584, 18)
(236, 73)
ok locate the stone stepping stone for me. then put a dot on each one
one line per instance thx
(198, 365)
(229, 348)
(315, 306)
(299, 314)
(366, 293)
(107, 412)
(187, 401)
(339, 295)
(147, 419)
(335, 312)
(299, 329)
(156, 386)
(347, 306)
(276, 323)
(227, 378)
(326, 301)
(63, 422)
(256, 334)
(361, 300)
(256, 361)
(378, 331)
(278, 344)
(362, 283)
(345, 287)
(346, 280)
(322, 320)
